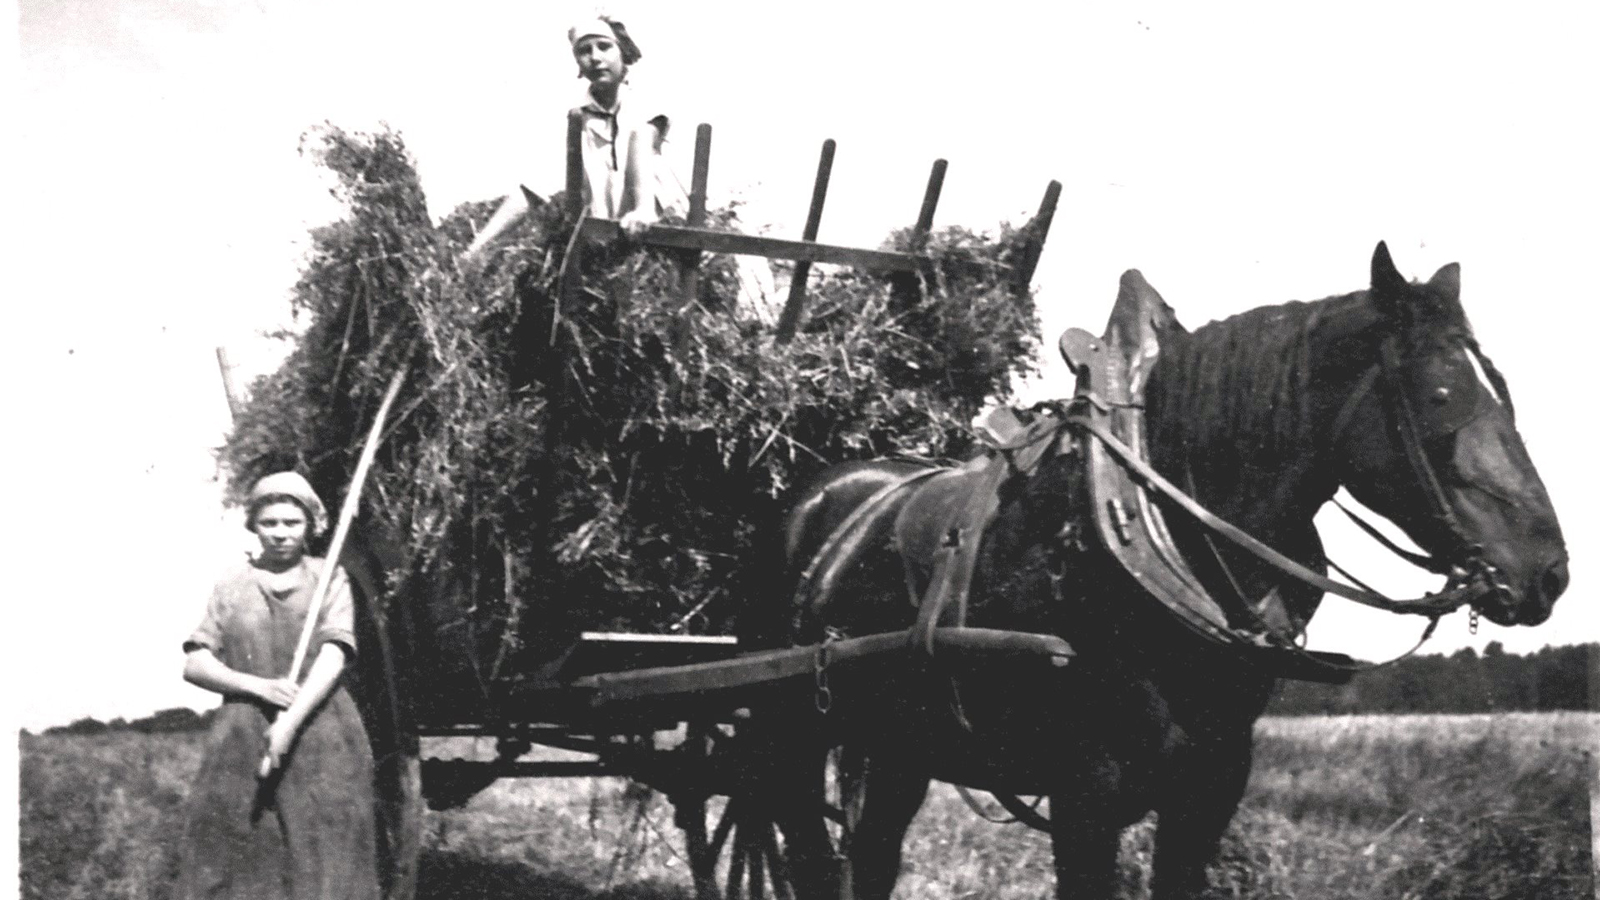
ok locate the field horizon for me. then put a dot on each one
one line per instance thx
(1431, 807)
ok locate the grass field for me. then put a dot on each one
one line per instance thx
(1415, 807)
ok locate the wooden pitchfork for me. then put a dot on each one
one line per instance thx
(347, 515)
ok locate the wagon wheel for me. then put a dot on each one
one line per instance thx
(752, 843)
(400, 809)
(381, 632)
(845, 794)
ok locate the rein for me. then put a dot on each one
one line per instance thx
(1469, 567)
(1430, 605)
(1419, 560)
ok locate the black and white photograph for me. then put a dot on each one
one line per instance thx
(811, 451)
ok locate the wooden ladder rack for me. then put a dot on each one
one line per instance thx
(693, 239)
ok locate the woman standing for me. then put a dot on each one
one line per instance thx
(623, 135)
(307, 829)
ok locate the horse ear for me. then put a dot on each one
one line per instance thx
(1388, 285)
(1448, 282)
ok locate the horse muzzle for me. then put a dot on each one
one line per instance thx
(1502, 602)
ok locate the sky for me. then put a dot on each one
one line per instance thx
(1238, 154)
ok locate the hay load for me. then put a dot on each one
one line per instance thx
(615, 464)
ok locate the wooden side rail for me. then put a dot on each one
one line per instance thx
(452, 769)
(764, 667)
(692, 240)
(680, 237)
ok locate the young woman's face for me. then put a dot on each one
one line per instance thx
(600, 60)
(282, 528)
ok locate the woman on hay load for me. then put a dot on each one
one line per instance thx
(307, 829)
(612, 116)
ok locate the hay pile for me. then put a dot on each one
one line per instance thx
(614, 465)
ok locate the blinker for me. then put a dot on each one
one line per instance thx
(1454, 396)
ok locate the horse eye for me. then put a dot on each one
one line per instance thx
(1441, 396)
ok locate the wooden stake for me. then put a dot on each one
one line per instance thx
(930, 201)
(1047, 211)
(229, 387)
(697, 209)
(789, 322)
(904, 289)
(574, 162)
(702, 170)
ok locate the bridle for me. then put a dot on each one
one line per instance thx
(1454, 402)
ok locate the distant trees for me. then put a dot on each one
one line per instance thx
(178, 719)
(1553, 678)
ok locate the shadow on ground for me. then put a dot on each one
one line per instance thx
(450, 875)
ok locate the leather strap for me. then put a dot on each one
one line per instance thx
(816, 583)
(950, 582)
(1432, 605)
(1416, 559)
(1417, 455)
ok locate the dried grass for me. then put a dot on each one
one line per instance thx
(627, 455)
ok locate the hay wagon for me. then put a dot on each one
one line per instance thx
(683, 714)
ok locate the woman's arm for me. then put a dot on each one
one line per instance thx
(639, 195)
(202, 669)
(318, 685)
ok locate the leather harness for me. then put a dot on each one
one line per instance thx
(1107, 411)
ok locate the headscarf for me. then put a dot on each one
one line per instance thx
(294, 486)
(609, 29)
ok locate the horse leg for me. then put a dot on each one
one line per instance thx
(811, 859)
(1086, 841)
(892, 800)
(1195, 811)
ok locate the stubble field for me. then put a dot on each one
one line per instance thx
(1415, 807)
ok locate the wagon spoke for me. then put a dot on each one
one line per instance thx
(735, 866)
(750, 837)
(724, 826)
(778, 864)
(845, 783)
(703, 864)
(852, 784)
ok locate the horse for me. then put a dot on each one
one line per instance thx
(1263, 417)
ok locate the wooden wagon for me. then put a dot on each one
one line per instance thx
(681, 714)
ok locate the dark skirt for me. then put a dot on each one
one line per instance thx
(306, 834)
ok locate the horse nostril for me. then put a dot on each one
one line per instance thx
(1554, 581)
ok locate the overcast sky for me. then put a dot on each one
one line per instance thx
(1237, 154)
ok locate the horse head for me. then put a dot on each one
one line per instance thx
(1430, 442)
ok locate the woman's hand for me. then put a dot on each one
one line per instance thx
(279, 692)
(202, 668)
(280, 737)
(319, 683)
(634, 223)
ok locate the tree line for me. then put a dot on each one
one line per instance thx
(179, 718)
(1553, 678)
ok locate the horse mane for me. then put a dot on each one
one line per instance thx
(1236, 392)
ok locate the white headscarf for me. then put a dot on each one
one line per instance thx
(610, 30)
(294, 486)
